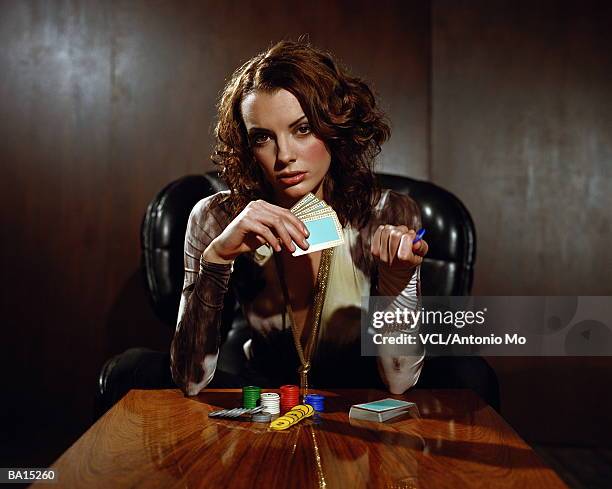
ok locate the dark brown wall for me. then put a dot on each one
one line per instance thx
(101, 105)
(522, 133)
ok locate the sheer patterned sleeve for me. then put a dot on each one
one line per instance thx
(400, 371)
(195, 346)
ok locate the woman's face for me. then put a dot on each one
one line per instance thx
(292, 158)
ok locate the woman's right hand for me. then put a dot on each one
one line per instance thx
(260, 222)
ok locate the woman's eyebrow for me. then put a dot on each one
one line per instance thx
(297, 121)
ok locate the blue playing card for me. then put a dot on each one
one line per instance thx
(325, 232)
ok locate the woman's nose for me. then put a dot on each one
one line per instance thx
(285, 151)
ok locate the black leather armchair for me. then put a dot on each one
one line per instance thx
(448, 268)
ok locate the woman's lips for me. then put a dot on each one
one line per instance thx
(293, 179)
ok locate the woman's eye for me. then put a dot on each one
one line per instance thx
(303, 129)
(260, 139)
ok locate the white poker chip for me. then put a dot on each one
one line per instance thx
(270, 402)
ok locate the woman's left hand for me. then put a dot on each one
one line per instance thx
(393, 246)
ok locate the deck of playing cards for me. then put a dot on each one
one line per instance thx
(380, 411)
(322, 224)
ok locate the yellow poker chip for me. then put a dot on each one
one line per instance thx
(306, 409)
(281, 424)
(302, 408)
(285, 418)
(297, 415)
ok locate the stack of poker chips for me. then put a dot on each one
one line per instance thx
(270, 402)
(234, 413)
(290, 397)
(293, 416)
(250, 396)
(261, 417)
(316, 401)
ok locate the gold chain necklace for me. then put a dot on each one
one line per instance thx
(319, 300)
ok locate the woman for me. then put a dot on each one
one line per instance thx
(292, 121)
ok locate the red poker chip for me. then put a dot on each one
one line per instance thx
(290, 396)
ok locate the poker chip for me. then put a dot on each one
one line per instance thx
(281, 423)
(302, 408)
(262, 417)
(289, 397)
(305, 407)
(234, 413)
(297, 414)
(284, 418)
(316, 401)
(250, 396)
(271, 402)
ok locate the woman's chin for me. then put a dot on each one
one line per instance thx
(293, 193)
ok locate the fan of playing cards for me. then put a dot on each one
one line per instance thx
(322, 224)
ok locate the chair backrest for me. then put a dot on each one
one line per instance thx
(162, 238)
(448, 268)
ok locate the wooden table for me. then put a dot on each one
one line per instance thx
(163, 439)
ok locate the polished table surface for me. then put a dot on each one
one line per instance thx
(159, 438)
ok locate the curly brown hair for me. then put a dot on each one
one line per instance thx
(341, 110)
